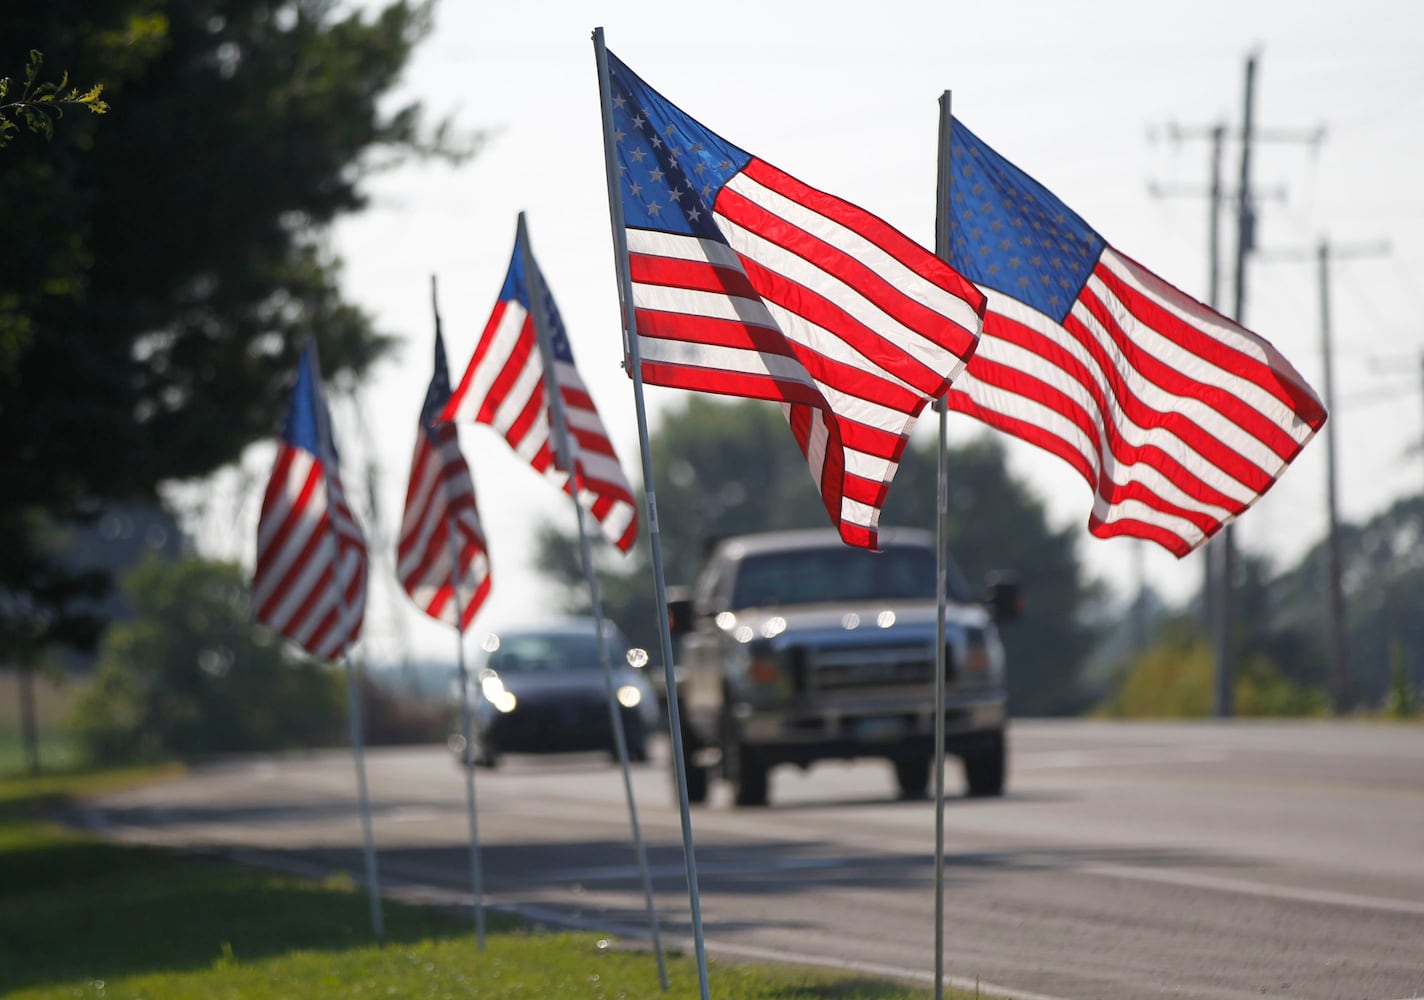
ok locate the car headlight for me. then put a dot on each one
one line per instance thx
(496, 694)
(629, 696)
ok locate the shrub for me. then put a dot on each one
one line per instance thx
(1175, 678)
(193, 675)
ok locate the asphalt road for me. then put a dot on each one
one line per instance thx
(1127, 860)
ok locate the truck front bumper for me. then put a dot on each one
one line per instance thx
(872, 729)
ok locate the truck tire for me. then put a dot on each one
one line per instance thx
(697, 778)
(697, 782)
(746, 774)
(750, 786)
(984, 771)
(912, 777)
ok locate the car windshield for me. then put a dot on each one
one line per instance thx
(842, 574)
(550, 654)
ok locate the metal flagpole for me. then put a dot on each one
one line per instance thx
(373, 884)
(466, 725)
(632, 352)
(477, 880)
(562, 451)
(941, 558)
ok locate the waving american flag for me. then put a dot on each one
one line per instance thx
(1178, 418)
(310, 580)
(505, 386)
(441, 556)
(747, 282)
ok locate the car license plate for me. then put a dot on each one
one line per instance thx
(880, 730)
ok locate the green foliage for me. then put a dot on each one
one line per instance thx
(1175, 679)
(1402, 702)
(1384, 578)
(727, 467)
(193, 675)
(39, 104)
(162, 271)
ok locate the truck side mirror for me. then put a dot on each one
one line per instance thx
(679, 608)
(1003, 598)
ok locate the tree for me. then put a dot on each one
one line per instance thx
(1384, 577)
(996, 524)
(1282, 633)
(723, 468)
(162, 272)
(192, 675)
(39, 102)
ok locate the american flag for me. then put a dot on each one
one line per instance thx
(310, 580)
(746, 282)
(1178, 418)
(504, 386)
(439, 499)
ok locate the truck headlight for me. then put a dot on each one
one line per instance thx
(629, 696)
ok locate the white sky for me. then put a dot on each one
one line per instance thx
(844, 96)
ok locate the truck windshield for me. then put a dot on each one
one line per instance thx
(842, 574)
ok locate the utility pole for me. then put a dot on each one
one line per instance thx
(1221, 552)
(1217, 134)
(1339, 646)
(1341, 694)
(1224, 619)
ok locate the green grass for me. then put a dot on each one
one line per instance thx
(84, 918)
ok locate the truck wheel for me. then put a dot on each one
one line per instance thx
(697, 778)
(747, 775)
(749, 787)
(697, 783)
(913, 777)
(984, 771)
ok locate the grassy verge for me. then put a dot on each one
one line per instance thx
(83, 918)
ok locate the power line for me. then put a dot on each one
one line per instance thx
(1324, 253)
(1220, 552)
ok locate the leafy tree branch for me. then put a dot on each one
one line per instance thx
(40, 104)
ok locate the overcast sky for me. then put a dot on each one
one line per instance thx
(843, 95)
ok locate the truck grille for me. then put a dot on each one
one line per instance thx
(843, 668)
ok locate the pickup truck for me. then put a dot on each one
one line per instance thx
(792, 648)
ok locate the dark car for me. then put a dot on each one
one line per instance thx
(541, 689)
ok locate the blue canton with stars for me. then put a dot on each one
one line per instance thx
(670, 168)
(558, 339)
(1010, 234)
(439, 392)
(516, 289)
(308, 423)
